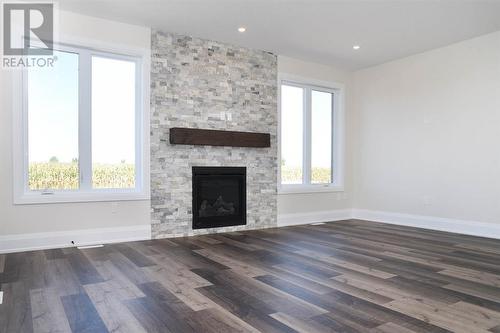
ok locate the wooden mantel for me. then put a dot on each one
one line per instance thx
(195, 136)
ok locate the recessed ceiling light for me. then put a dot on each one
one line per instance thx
(242, 29)
(356, 47)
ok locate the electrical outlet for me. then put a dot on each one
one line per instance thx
(1, 297)
(114, 207)
(229, 116)
(426, 200)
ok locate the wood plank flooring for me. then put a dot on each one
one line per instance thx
(348, 276)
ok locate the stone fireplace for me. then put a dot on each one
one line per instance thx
(197, 83)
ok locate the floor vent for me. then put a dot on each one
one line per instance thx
(89, 247)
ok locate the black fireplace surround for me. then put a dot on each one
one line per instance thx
(219, 197)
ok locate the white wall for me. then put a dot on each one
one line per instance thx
(428, 133)
(319, 202)
(24, 219)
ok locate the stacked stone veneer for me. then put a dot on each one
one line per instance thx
(199, 83)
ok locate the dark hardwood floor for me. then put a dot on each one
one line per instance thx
(348, 276)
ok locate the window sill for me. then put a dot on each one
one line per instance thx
(304, 189)
(72, 197)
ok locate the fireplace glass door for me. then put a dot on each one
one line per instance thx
(219, 197)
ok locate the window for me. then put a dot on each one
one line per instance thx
(113, 156)
(82, 129)
(52, 105)
(292, 136)
(311, 130)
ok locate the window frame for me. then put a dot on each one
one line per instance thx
(85, 193)
(338, 127)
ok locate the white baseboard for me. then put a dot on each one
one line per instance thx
(50, 240)
(473, 228)
(313, 217)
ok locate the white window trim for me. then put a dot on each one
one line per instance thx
(21, 195)
(338, 136)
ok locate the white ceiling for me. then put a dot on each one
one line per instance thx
(315, 30)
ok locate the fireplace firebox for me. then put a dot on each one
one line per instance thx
(219, 197)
